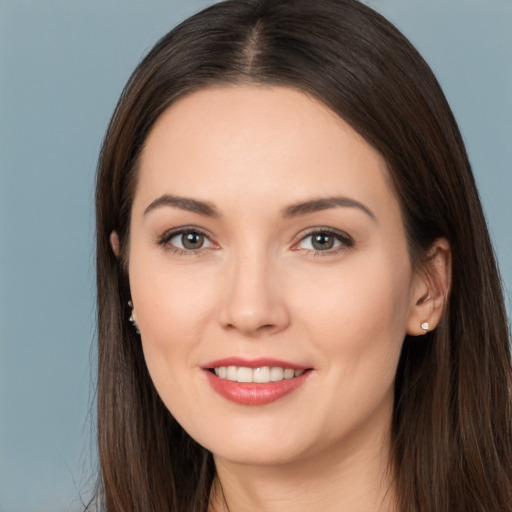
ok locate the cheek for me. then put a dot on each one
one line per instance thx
(356, 322)
(171, 300)
(357, 316)
(172, 308)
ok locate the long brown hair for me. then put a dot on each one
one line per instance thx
(451, 431)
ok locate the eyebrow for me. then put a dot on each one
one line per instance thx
(294, 210)
(315, 205)
(183, 203)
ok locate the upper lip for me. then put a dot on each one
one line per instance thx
(253, 363)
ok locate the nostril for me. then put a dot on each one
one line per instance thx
(267, 328)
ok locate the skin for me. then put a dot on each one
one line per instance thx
(258, 288)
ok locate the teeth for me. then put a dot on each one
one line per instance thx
(231, 372)
(276, 374)
(244, 374)
(289, 374)
(259, 375)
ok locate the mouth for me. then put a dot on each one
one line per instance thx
(259, 375)
(256, 382)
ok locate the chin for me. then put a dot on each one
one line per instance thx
(257, 456)
(259, 448)
(279, 448)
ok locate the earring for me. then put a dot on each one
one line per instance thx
(132, 318)
(425, 327)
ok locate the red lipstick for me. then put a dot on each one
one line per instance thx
(254, 393)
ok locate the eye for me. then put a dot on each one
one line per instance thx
(186, 240)
(324, 240)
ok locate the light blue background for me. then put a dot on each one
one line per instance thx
(63, 64)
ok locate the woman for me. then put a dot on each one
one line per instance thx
(299, 306)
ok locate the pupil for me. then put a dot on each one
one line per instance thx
(192, 240)
(323, 241)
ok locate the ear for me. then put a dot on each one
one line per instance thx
(114, 243)
(431, 286)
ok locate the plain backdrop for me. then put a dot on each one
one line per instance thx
(63, 64)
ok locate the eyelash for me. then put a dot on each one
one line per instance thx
(345, 241)
(165, 239)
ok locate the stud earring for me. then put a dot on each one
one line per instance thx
(425, 327)
(132, 318)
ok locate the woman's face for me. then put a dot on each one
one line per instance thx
(267, 245)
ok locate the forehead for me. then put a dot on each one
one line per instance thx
(258, 142)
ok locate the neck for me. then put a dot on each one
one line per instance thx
(353, 479)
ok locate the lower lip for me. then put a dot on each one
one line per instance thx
(250, 393)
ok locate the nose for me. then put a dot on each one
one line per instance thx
(253, 296)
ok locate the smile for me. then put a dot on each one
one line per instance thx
(260, 375)
(255, 382)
